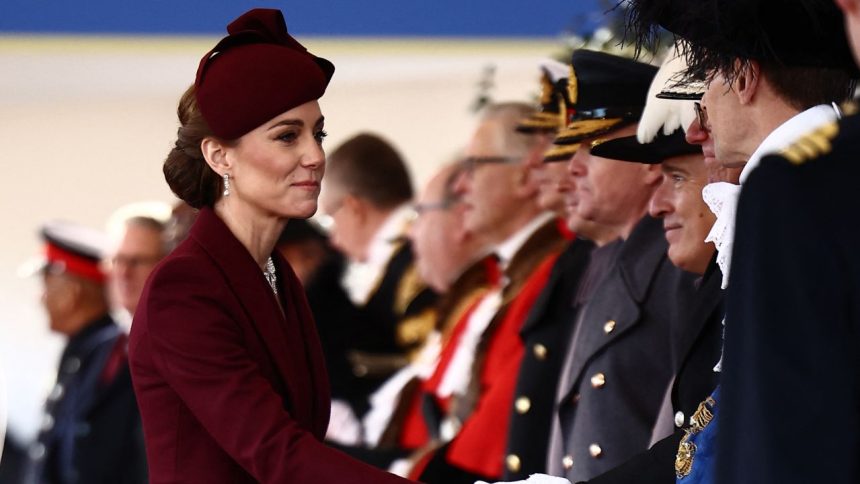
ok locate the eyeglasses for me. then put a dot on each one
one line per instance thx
(470, 163)
(419, 209)
(701, 116)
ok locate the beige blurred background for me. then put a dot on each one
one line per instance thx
(86, 122)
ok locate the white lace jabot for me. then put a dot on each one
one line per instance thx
(722, 197)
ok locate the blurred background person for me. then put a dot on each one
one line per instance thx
(547, 329)
(501, 203)
(141, 245)
(367, 191)
(452, 260)
(91, 430)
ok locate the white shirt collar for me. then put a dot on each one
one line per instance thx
(507, 249)
(360, 278)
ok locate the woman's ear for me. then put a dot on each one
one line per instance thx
(215, 153)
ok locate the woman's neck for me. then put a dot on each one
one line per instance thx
(256, 231)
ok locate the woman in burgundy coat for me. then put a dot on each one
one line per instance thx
(226, 364)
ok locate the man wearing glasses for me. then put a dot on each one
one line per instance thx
(499, 197)
(769, 81)
(140, 247)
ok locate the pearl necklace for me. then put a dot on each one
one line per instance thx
(269, 274)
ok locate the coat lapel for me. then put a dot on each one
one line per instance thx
(707, 298)
(617, 300)
(254, 294)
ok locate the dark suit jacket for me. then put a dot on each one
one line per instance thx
(230, 388)
(622, 362)
(545, 335)
(699, 350)
(790, 398)
(92, 431)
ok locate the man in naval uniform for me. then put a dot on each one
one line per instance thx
(619, 360)
(91, 431)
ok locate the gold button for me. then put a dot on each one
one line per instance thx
(598, 380)
(539, 351)
(609, 326)
(513, 462)
(567, 462)
(523, 404)
(595, 450)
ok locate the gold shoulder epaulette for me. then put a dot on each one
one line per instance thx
(811, 145)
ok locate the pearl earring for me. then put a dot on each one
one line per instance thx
(226, 184)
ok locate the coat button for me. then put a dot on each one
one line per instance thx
(512, 461)
(598, 380)
(574, 399)
(47, 423)
(36, 451)
(539, 351)
(72, 365)
(567, 462)
(679, 419)
(523, 404)
(609, 326)
(595, 450)
(56, 393)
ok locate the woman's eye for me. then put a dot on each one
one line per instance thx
(288, 137)
(320, 135)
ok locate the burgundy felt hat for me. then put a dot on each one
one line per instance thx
(256, 73)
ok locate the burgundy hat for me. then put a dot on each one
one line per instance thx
(256, 73)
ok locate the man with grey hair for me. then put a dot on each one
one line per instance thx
(141, 246)
(500, 200)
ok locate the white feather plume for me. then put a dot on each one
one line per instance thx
(665, 114)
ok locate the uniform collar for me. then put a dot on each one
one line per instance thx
(788, 132)
(510, 246)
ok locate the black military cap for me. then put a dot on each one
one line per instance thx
(606, 92)
(659, 149)
(799, 33)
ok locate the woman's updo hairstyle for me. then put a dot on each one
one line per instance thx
(257, 72)
(185, 169)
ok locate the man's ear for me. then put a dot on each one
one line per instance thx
(215, 153)
(747, 82)
(653, 174)
(526, 185)
(355, 206)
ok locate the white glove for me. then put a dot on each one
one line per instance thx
(534, 479)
